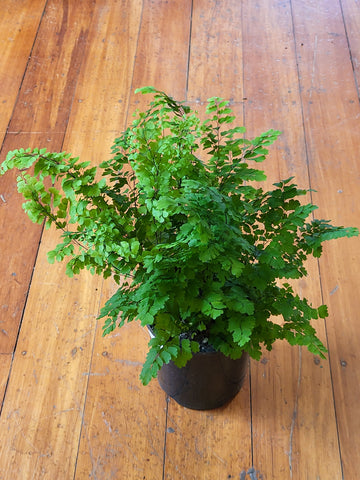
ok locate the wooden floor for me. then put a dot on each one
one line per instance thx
(72, 404)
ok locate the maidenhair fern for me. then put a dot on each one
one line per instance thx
(198, 252)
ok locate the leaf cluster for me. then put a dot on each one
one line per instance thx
(199, 253)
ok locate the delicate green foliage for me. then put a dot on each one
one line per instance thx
(198, 252)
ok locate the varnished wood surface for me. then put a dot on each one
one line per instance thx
(72, 404)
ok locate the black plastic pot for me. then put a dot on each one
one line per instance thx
(209, 380)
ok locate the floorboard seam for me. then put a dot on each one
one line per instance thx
(165, 435)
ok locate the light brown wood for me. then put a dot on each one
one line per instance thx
(286, 382)
(215, 51)
(52, 359)
(209, 444)
(163, 46)
(43, 408)
(73, 406)
(117, 441)
(350, 10)
(331, 119)
(134, 443)
(5, 363)
(39, 119)
(18, 25)
(123, 433)
(204, 445)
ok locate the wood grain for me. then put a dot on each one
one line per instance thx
(127, 432)
(124, 423)
(39, 119)
(292, 407)
(209, 444)
(350, 10)
(123, 426)
(212, 444)
(162, 55)
(331, 119)
(73, 406)
(216, 66)
(42, 411)
(5, 364)
(18, 26)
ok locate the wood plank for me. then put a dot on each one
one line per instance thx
(5, 365)
(43, 416)
(331, 113)
(42, 411)
(124, 422)
(17, 263)
(162, 56)
(351, 13)
(212, 444)
(292, 406)
(215, 67)
(18, 26)
(39, 119)
(209, 444)
(47, 91)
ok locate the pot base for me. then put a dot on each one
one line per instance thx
(209, 380)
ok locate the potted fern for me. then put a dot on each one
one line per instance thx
(200, 256)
